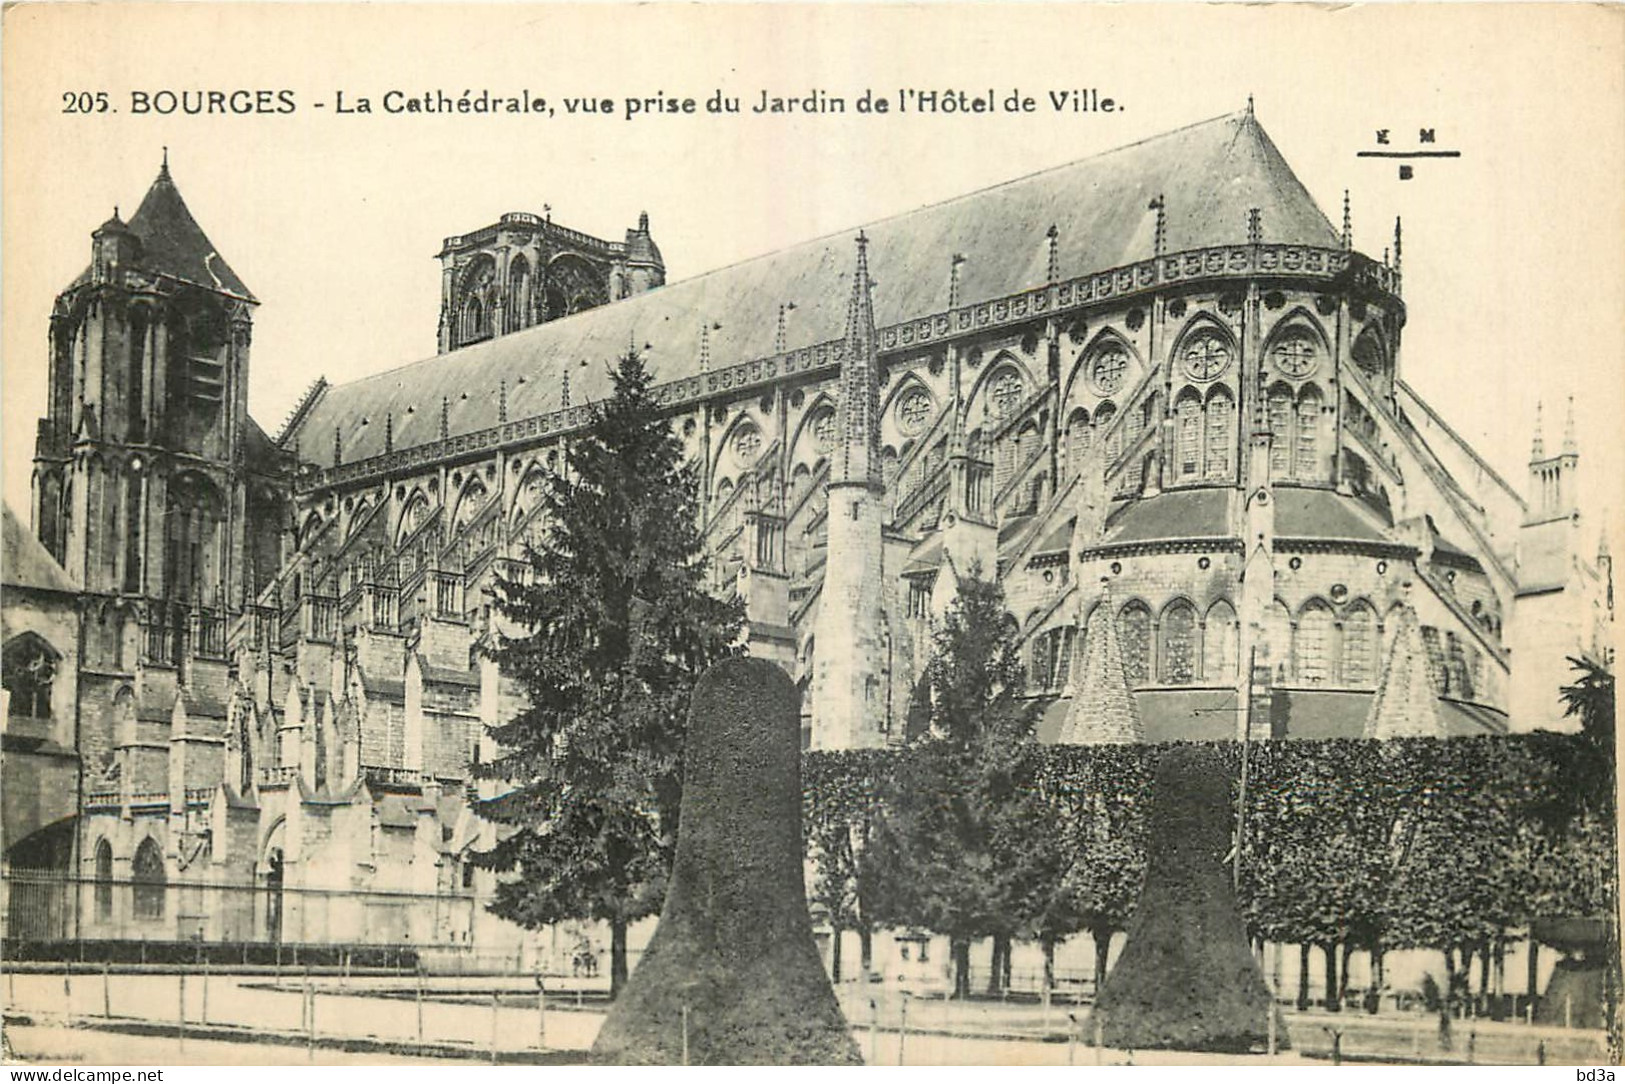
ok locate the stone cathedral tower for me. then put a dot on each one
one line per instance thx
(138, 484)
(848, 686)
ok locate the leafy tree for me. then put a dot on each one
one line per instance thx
(613, 626)
(945, 861)
(839, 807)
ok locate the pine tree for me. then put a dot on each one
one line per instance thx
(613, 626)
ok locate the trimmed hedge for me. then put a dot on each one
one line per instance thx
(1405, 843)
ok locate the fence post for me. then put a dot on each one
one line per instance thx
(181, 1020)
(541, 1013)
(310, 1017)
(1472, 1044)
(496, 1002)
(1274, 1040)
(1540, 1052)
(1568, 1010)
(902, 1027)
(67, 998)
(874, 1032)
(107, 990)
(1072, 1038)
(420, 1000)
(205, 991)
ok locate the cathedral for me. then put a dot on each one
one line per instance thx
(1156, 392)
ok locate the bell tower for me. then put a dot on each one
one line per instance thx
(138, 471)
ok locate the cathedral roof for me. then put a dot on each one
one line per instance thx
(173, 244)
(24, 560)
(1209, 175)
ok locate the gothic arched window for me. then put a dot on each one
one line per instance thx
(417, 509)
(1079, 436)
(1219, 643)
(1134, 638)
(1359, 635)
(1178, 654)
(192, 519)
(1189, 447)
(518, 314)
(469, 506)
(104, 880)
(1005, 393)
(1219, 458)
(1314, 646)
(1306, 439)
(1105, 414)
(149, 879)
(29, 665)
(1280, 418)
(1278, 639)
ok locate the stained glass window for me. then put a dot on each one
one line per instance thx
(1134, 637)
(1359, 632)
(1280, 408)
(1108, 369)
(1079, 436)
(1104, 417)
(913, 412)
(147, 871)
(1221, 435)
(1207, 356)
(1190, 436)
(1006, 393)
(1178, 655)
(1278, 641)
(1306, 451)
(1296, 356)
(823, 431)
(1219, 643)
(1314, 645)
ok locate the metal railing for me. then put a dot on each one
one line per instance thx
(50, 914)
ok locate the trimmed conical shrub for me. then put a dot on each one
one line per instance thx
(1187, 978)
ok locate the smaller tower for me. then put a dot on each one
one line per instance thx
(849, 695)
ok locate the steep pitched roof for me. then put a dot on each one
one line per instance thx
(1209, 174)
(24, 560)
(173, 244)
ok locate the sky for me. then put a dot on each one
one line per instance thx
(1514, 253)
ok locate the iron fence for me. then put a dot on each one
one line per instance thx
(50, 914)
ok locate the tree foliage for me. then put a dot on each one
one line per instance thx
(1406, 843)
(611, 626)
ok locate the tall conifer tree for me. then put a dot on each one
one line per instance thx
(609, 628)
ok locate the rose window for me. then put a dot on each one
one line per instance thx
(1207, 357)
(1006, 393)
(1295, 357)
(1108, 370)
(914, 412)
(748, 443)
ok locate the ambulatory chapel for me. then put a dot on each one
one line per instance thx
(1157, 393)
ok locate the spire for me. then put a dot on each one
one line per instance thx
(1103, 711)
(1249, 105)
(1397, 244)
(953, 279)
(1405, 704)
(1537, 450)
(389, 432)
(778, 333)
(1255, 226)
(163, 168)
(1159, 238)
(338, 447)
(1053, 266)
(1348, 223)
(705, 348)
(502, 399)
(564, 391)
(445, 417)
(1571, 443)
(859, 456)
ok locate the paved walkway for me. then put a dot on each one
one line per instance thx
(459, 1017)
